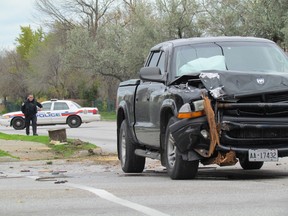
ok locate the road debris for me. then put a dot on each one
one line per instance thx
(48, 178)
(60, 182)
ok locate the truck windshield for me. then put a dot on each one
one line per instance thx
(231, 56)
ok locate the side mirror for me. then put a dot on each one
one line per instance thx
(152, 74)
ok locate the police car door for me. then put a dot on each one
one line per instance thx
(60, 112)
(44, 116)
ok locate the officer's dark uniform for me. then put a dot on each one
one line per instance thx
(29, 108)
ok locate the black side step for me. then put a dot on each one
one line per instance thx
(147, 153)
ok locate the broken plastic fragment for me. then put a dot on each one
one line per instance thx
(209, 75)
(217, 92)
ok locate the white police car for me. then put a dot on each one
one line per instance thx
(54, 112)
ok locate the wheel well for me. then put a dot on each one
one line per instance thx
(120, 118)
(11, 122)
(166, 114)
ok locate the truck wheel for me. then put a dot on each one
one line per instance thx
(18, 123)
(249, 165)
(130, 162)
(74, 121)
(177, 168)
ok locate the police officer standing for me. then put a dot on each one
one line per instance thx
(29, 108)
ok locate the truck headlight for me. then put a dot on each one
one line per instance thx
(194, 110)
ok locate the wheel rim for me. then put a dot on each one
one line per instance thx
(123, 147)
(18, 123)
(171, 151)
(73, 121)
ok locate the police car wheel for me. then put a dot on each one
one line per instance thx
(18, 123)
(74, 121)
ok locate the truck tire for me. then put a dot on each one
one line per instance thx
(177, 168)
(18, 123)
(130, 163)
(249, 165)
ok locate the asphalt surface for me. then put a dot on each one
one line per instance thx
(89, 187)
(99, 187)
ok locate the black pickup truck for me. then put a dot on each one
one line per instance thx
(211, 100)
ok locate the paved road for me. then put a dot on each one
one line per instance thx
(93, 189)
(97, 188)
(100, 133)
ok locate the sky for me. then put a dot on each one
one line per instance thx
(13, 14)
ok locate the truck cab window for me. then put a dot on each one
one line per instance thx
(154, 59)
(161, 63)
(157, 59)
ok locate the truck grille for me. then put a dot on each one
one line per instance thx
(249, 133)
(256, 121)
(266, 98)
(248, 139)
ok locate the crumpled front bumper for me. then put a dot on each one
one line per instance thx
(187, 134)
(233, 136)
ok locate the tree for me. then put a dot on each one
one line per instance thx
(104, 40)
(265, 18)
(48, 73)
(27, 39)
(13, 76)
(268, 19)
(224, 17)
(179, 18)
(74, 13)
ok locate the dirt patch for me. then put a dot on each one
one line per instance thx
(99, 159)
(27, 150)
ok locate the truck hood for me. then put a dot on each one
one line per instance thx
(236, 84)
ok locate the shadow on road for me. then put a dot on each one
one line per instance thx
(213, 173)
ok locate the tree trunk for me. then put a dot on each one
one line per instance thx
(58, 135)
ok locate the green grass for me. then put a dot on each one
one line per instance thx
(108, 116)
(61, 151)
(40, 139)
(66, 151)
(5, 154)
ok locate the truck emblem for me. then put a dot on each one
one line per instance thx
(260, 81)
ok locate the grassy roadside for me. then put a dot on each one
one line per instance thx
(40, 139)
(5, 154)
(108, 116)
(61, 151)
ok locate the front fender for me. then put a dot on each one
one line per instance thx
(123, 112)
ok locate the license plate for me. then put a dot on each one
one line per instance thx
(263, 155)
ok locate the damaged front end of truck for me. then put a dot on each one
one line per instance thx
(241, 116)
